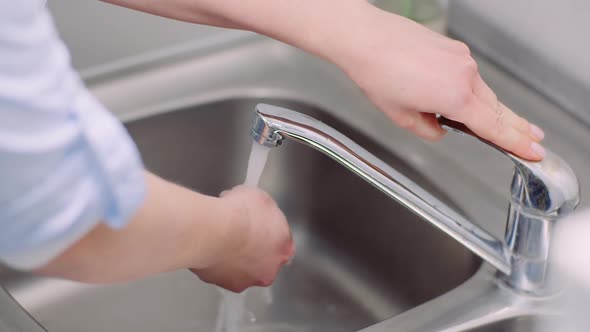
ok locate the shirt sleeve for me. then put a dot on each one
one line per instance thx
(66, 163)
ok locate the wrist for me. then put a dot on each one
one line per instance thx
(342, 35)
(360, 36)
(175, 210)
(218, 236)
(319, 27)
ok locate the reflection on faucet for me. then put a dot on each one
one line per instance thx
(541, 194)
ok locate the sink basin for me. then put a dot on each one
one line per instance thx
(361, 259)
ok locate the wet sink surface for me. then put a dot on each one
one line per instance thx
(361, 257)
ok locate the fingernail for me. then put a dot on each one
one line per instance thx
(537, 132)
(538, 149)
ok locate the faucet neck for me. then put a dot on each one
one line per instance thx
(529, 233)
(542, 193)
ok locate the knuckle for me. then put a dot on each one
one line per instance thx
(265, 199)
(268, 200)
(237, 288)
(461, 47)
(494, 98)
(516, 120)
(264, 282)
(500, 123)
(463, 97)
(467, 69)
(404, 120)
(523, 123)
(289, 249)
(471, 65)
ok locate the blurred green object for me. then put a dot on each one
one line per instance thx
(421, 11)
(431, 13)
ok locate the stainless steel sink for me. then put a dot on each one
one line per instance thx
(531, 324)
(522, 324)
(361, 257)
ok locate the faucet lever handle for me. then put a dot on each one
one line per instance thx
(548, 187)
(460, 128)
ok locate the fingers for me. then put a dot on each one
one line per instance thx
(501, 127)
(423, 125)
(522, 124)
(267, 242)
(428, 127)
(484, 92)
(486, 95)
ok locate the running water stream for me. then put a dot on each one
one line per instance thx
(256, 163)
(231, 308)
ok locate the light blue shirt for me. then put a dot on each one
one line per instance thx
(66, 163)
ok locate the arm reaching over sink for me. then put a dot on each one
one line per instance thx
(408, 71)
(73, 196)
(236, 241)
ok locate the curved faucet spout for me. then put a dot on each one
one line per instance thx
(542, 193)
(272, 124)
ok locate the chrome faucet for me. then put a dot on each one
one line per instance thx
(541, 194)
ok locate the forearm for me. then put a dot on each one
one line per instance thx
(175, 228)
(316, 26)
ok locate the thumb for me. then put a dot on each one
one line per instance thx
(428, 127)
(424, 125)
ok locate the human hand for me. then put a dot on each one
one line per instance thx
(411, 73)
(258, 244)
